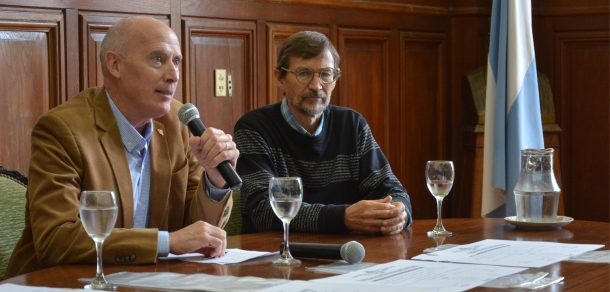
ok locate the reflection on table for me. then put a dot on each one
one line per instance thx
(379, 249)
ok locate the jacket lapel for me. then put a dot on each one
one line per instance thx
(160, 175)
(110, 139)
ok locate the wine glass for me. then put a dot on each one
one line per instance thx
(439, 177)
(286, 195)
(98, 213)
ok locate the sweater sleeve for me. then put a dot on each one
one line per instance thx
(377, 179)
(256, 168)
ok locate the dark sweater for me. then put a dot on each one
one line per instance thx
(339, 167)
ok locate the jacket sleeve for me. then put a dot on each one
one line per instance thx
(56, 178)
(205, 209)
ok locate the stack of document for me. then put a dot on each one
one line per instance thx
(509, 253)
(459, 268)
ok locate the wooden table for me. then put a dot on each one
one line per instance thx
(379, 249)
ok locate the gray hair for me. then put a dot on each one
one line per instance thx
(306, 45)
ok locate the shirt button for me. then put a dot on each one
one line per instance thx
(129, 144)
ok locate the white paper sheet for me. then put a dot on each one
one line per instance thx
(191, 282)
(600, 256)
(19, 288)
(309, 286)
(232, 256)
(444, 277)
(509, 253)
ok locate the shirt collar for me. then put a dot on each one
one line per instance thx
(130, 136)
(292, 121)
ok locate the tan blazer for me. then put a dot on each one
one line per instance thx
(77, 146)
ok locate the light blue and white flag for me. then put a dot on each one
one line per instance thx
(512, 107)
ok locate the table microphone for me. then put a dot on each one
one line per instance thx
(189, 115)
(351, 252)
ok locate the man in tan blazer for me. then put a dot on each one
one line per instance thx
(85, 144)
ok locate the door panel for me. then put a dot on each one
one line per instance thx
(423, 111)
(211, 45)
(30, 49)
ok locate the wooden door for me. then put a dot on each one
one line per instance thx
(219, 44)
(31, 43)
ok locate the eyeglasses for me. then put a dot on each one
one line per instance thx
(305, 74)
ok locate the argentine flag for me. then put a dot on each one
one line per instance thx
(512, 107)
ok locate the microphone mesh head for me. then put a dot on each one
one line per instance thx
(352, 252)
(187, 113)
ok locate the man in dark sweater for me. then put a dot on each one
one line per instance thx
(348, 183)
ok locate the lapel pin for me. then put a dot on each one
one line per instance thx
(160, 131)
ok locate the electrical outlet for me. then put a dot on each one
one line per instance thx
(220, 82)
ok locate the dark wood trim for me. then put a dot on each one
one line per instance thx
(130, 6)
(72, 57)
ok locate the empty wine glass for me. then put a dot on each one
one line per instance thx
(286, 195)
(98, 213)
(439, 177)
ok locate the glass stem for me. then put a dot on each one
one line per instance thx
(286, 252)
(439, 222)
(99, 276)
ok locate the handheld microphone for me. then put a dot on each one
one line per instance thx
(189, 115)
(351, 252)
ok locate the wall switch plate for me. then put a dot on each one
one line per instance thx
(230, 84)
(220, 82)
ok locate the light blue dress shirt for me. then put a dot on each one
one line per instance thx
(138, 158)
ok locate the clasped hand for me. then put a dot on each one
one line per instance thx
(376, 216)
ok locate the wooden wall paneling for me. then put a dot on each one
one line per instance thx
(572, 48)
(219, 44)
(469, 47)
(365, 80)
(378, 15)
(569, 7)
(175, 22)
(261, 94)
(468, 187)
(583, 72)
(30, 50)
(424, 108)
(400, 6)
(72, 59)
(93, 30)
(131, 6)
(392, 150)
(276, 34)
